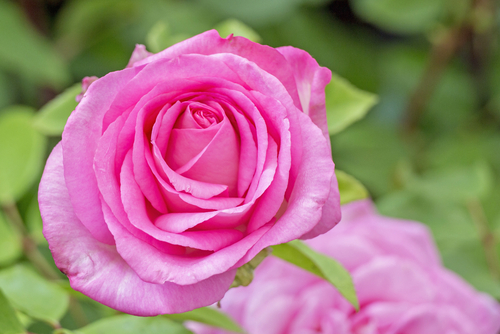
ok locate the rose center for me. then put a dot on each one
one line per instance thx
(205, 118)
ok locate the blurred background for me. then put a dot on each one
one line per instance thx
(428, 151)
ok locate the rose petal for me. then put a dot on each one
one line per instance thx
(97, 270)
(311, 80)
(79, 141)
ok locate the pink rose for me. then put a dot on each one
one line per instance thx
(400, 282)
(180, 168)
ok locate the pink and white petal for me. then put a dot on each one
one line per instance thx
(79, 142)
(311, 80)
(97, 270)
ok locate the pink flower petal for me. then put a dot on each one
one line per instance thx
(97, 270)
(311, 80)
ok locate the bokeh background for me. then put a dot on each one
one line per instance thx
(428, 151)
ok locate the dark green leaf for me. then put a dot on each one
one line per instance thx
(345, 104)
(350, 189)
(26, 52)
(22, 151)
(301, 255)
(237, 28)
(209, 316)
(52, 117)
(10, 242)
(33, 295)
(128, 324)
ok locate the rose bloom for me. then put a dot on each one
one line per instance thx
(180, 168)
(401, 286)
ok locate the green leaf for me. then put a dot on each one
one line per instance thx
(158, 37)
(10, 242)
(350, 189)
(9, 323)
(209, 316)
(345, 104)
(402, 16)
(27, 52)
(301, 255)
(52, 117)
(22, 151)
(237, 28)
(128, 324)
(33, 295)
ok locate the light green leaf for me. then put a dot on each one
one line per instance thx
(237, 28)
(345, 104)
(402, 16)
(158, 37)
(301, 255)
(350, 189)
(10, 242)
(9, 323)
(33, 295)
(52, 117)
(128, 324)
(22, 151)
(209, 316)
(26, 52)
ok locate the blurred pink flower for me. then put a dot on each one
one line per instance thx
(401, 285)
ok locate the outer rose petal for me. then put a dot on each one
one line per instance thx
(97, 270)
(311, 80)
(80, 137)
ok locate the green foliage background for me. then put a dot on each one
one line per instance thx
(429, 150)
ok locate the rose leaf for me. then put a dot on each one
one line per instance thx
(22, 150)
(10, 242)
(52, 117)
(33, 295)
(128, 324)
(209, 316)
(350, 189)
(301, 255)
(9, 323)
(237, 28)
(345, 104)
